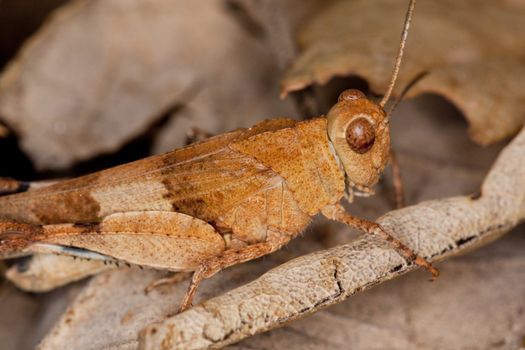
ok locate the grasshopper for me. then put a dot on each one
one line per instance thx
(218, 202)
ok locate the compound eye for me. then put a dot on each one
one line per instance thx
(360, 135)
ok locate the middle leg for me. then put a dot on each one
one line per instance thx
(397, 180)
(229, 258)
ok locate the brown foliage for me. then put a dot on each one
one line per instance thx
(470, 52)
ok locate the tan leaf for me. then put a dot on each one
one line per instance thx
(17, 319)
(99, 73)
(34, 274)
(471, 51)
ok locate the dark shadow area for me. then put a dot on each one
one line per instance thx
(18, 20)
(14, 162)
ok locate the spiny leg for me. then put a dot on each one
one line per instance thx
(338, 213)
(173, 279)
(229, 258)
(397, 180)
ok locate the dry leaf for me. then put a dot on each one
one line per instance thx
(472, 52)
(16, 318)
(99, 73)
(45, 272)
(114, 307)
(277, 21)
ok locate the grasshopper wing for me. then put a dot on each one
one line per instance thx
(203, 180)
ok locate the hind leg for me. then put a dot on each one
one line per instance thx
(175, 278)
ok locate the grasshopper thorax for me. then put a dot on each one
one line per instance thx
(358, 129)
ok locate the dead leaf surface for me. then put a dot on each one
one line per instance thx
(34, 274)
(471, 51)
(99, 73)
(16, 318)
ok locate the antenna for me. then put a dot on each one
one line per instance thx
(409, 86)
(399, 57)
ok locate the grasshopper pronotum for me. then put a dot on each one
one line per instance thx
(216, 203)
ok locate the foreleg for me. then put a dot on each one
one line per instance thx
(338, 213)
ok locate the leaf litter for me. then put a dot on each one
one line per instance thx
(437, 161)
(470, 52)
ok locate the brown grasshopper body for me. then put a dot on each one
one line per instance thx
(237, 196)
(257, 185)
(222, 201)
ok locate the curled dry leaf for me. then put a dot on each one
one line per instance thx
(100, 73)
(470, 51)
(114, 308)
(435, 229)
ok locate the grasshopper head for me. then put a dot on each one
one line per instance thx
(359, 132)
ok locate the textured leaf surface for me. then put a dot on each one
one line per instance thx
(469, 50)
(100, 73)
